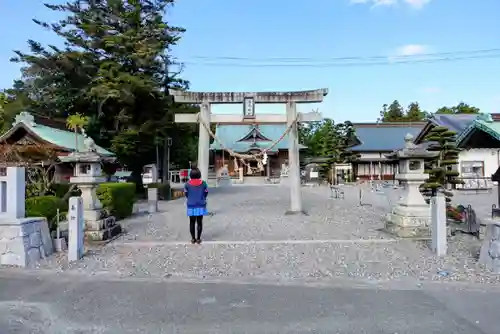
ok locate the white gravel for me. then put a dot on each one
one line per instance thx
(154, 246)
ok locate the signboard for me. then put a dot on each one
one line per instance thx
(150, 174)
(249, 107)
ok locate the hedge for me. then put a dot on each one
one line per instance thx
(46, 206)
(117, 198)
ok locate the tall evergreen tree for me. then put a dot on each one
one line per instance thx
(414, 113)
(392, 113)
(114, 69)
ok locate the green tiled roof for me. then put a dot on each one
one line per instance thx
(230, 134)
(61, 138)
(489, 127)
(123, 174)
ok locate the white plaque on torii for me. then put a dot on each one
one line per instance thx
(248, 107)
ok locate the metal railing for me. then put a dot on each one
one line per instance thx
(174, 176)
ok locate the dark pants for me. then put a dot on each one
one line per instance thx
(196, 220)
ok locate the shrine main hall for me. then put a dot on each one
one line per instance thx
(251, 139)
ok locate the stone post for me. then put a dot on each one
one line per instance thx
(75, 229)
(438, 228)
(23, 241)
(240, 174)
(489, 255)
(15, 191)
(152, 200)
(293, 158)
(204, 140)
(150, 176)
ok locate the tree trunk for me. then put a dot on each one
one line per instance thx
(68, 194)
(76, 139)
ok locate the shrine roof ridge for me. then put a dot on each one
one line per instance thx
(61, 138)
(304, 96)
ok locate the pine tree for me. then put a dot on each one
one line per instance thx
(441, 169)
(392, 113)
(338, 141)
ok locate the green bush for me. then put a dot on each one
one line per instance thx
(117, 198)
(46, 206)
(164, 191)
(61, 189)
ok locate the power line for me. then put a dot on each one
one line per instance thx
(356, 58)
(344, 61)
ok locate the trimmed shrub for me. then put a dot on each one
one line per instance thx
(117, 198)
(164, 191)
(46, 206)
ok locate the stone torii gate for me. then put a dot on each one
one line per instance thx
(248, 116)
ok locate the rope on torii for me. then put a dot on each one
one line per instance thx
(260, 157)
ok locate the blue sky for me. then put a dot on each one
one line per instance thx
(318, 30)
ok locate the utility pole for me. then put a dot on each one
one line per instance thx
(166, 147)
(157, 157)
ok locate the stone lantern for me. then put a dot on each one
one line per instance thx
(223, 177)
(410, 216)
(87, 176)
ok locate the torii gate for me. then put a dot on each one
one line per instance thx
(206, 99)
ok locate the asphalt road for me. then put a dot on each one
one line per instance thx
(55, 305)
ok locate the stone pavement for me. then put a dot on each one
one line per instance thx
(70, 305)
(250, 239)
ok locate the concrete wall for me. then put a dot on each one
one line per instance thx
(489, 157)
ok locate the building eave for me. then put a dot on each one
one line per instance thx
(421, 136)
(476, 125)
(20, 125)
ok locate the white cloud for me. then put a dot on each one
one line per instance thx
(417, 4)
(375, 2)
(411, 50)
(431, 90)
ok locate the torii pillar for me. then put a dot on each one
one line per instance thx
(248, 116)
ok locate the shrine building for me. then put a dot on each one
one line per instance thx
(374, 141)
(43, 133)
(250, 139)
(478, 137)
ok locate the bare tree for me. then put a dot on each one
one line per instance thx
(40, 161)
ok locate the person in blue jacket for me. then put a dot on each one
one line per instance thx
(196, 192)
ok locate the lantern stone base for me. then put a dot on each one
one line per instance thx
(102, 229)
(408, 222)
(98, 227)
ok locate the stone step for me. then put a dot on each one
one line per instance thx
(101, 224)
(103, 235)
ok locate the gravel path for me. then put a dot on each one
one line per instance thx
(249, 237)
(257, 213)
